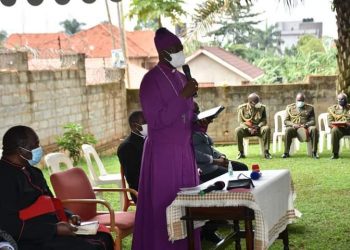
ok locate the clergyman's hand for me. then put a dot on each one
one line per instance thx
(75, 219)
(220, 162)
(65, 229)
(190, 89)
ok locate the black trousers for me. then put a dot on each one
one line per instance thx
(237, 166)
(211, 226)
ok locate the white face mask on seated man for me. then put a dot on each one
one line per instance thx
(144, 131)
(258, 105)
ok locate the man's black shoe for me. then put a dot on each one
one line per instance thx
(335, 156)
(240, 155)
(315, 155)
(212, 237)
(268, 155)
(285, 155)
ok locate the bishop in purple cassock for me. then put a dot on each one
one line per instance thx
(168, 158)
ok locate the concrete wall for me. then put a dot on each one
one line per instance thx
(48, 99)
(319, 90)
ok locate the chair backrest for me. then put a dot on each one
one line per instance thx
(127, 200)
(0, 152)
(323, 123)
(74, 184)
(53, 161)
(89, 152)
(279, 118)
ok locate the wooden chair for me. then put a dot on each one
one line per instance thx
(127, 200)
(73, 188)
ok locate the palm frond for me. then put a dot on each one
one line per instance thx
(206, 14)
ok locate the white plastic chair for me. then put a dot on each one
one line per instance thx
(0, 153)
(54, 160)
(325, 133)
(102, 177)
(246, 144)
(279, 132)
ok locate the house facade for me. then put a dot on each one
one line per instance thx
(213, 66)
(292, 31)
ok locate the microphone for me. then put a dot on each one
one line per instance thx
(187, 72)
(219, 185)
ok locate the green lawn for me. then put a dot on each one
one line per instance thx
(323, 196)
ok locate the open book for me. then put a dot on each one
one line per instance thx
(210, 113)
(88, 228)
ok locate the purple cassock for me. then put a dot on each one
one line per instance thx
(168, 158)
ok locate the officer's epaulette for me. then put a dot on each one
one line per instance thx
(310, 105)
(333, 106)
(242, 105)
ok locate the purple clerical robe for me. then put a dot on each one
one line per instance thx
(168, 158)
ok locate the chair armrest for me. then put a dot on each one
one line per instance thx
(96, 201)
(124, 190)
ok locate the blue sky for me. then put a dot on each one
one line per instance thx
(22, 17)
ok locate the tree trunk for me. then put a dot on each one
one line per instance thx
(342, 8)
(159, 22)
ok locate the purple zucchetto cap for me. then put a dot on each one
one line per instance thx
(165, 39)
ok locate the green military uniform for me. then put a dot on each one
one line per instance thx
(305, 117)
(248, 117)
(336, 113)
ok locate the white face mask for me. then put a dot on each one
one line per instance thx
(258, 105)
(144, 131)
(177, 59)
(300, 104)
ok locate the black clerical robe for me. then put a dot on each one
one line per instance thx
(130, 157)
(20, 188)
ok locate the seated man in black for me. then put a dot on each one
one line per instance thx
(130, 150)
(211, 163)
(22, 187)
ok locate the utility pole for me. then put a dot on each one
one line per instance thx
(110, 24)
(123, 39)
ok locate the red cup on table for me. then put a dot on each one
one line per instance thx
(255, 167)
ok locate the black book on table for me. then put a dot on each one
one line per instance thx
(210, 113)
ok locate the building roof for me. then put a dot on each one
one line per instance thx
(32, 40)
(231, 61)
(95, 42)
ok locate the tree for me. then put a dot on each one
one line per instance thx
(309, 43)
(206, 14)
(268, 40)
(148, 25)
(146, 10)
(235, 25)
(3, 36)
(71, 26)
(342, 7)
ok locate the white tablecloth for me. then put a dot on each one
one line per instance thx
(271, 199)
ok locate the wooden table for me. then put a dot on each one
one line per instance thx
(227, 213)
(270, 204)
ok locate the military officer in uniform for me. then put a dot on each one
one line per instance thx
(252, 119)
(339, 122)
(300, 123)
